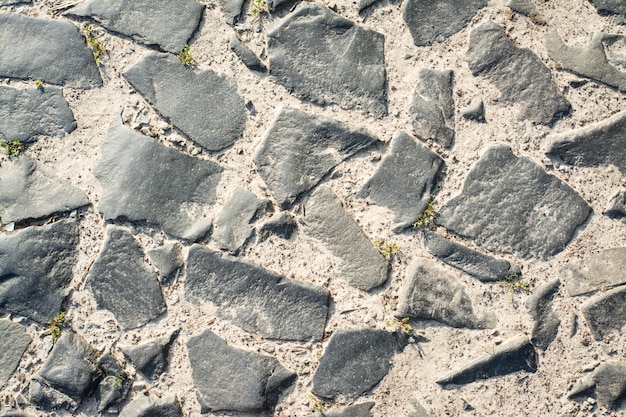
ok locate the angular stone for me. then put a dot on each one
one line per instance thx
(510, 204)
(255, 299)
(146, 181)
(204, 105)
(432, 107)
(115, 385)
(13, 344)
(475, 110)
(610, 6)
(123, 283)
(617, 206)
(322, 57)
(356, 410)
(547, 322)
(228, 378)
(361, 264)
(598, 272)
(167, 258)
(607, 383)
(151, 358)
(364, 4)
(299, 149)
(282, 224)
(49, 50)
(354, 361)
(152, 22)
(11, 2)
(492, 55)
(246, 55)
(152, 406)
(525, 7)
(8, 412)
(231, 9)
(606, 314)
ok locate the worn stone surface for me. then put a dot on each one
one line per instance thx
(115, 385)
(547, 322)
(606, 314)
(9, 412)
(123, 283)
(616, 208)
(610, 6)
(151, 358)
(256, 299)
(525, 7)
(598, 272)
(152, 406)
(607, 383)
(167, 258)
(228, 378)
(13, 343)
(356, 410)
(475, 110)
(146, 181)
(294, 156)
(432, 107)
(49, 50)
(510, 204)
(282, 224)
(246, 55)
(11, 2)
(324, 58)
(204, 105)
(231, 9)
(492, 55)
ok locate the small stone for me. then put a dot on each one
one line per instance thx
(610, 6)
(598, 272)
(617, 206)
(475, 110)
(152, 406)
(232, 10)
(282, 224)
(246, 55)
(151, 358)
(13, 344)
(525, 7)
(547, 322)
(606, 314)
(364, 4)
(356, 410)
(167, 258)
(607, 383)
(115, 385)
(432, 107)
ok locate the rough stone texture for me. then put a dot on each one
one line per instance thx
(432, 107)
(475, 110)
(146, 181)
(231, 9)
(607, 383)
(617, 206)
(227, 378)
(364, 4)
(152, 406)
(434, 20)
(356, 410)
(13, 343)
(163, 23)
(167, 258)
(322, 57)
(404, 180)
(8, 412)
(123, 283)
(515, 354)
(11, 2)
(204, 105)
(598, 272)
(256, 299)
(492, 55)
(111, 391)
(246, 55)
(419, 411)
(525, 7)
(610, 6)
(606, 313)
(282, 224)
(49, 50)
(361, 264)
(36, 269)
(299, 149)
(429, 293)
(546, 320)
(510, 204)
(151, 358)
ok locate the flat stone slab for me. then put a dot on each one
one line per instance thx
(355, 361)
(361, 264)
(610, 6)
(49, 50)
(547, 322)
(151, 358)
(598, 272)
(607, 383)
(36, 269)
(432, 107)
(152, 22)
(152, 406)
(324, 58)
(606, 314)
(167, 258)
(204, 105)
(143, 180)
(123, 283)
(228, 378)
(492, 55)
(255, 299)
(356, 410)
(13, 344)
(510, 204)
(299, 149)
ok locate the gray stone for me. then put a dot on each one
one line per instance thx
(8, 412)
(510, 204)
(256, 299)
(275, 4)
(364, 4)
(419, 411)
(492, 55)
(429, 293)
(607, 383)
(32, 191)
(151, 358)
(282, 224)
(123, 283)
(515, 354)
(228, 378)
(143, 180)
(356, 410)
(610, 6)
(361, 264)
(432, 107)
(547, 322)
(152, 22)
(11, 2)
(13, 344)
(151, 406)
(27, 113)
(167, 258)
(598, 272)
(324, 58)
(204, 105)
(246, 55)
(355, 361)
(617, 206)
(231, 9)
(525, 7)
(475, 110)
(435, 20)
(36, 269)
(49, 50)
(299, 149)
(115, 385)
(606, 314)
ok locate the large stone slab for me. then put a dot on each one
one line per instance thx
(50, 50)
(598, 272)
(143, 180)
(204, 105)
(546, 320)
(610, 6)
(13, 343)
(606, 314)
(152, 406)
(607, 383)
(256, 299)
(492, 55)
(322, 57)
(228, 378)
(356, 410)
(510, 204)
(151, 358)
(432, 107)
(299, 149)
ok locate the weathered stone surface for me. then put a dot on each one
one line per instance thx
(36, 269)
(8, 412)
(361, 264)
(13, 343)
(228, 378)
(322, 57)
(617, 206)
(246, 55)
(50, 50)
(606, 314)
(354, 361)
(167, 258)
(610, 6)
(475, 110)
(419, 411)
(546, 320)
(364, 4)
(516, 354)
(152, 22)
(607, 383)
(146, 181)
(404, 180)
(435, 20)
(152, 406)
(492, 55)
(11, 2)
(256, 299)
(356, 410)
(510, 204)
(123, 283)
(429, 293)
(115, 385)
(231, 9)
(151, 358)
(598, 272)
(525, 7)
(299, 149)
(432, 107)
(282, 224)
(203, 105)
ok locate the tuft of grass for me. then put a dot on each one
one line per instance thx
(514, 284)
(56, 325)
(97, 46)
(12, 147)
(427, 218)
(317, 404)
(258, 7)
(387, 248)
(186, 58)
(119, 378)
(38, 83)
(400, 324)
